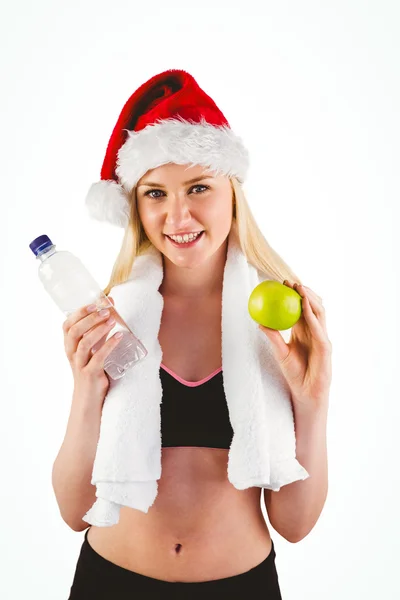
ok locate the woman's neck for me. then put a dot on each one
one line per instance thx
(202, 281)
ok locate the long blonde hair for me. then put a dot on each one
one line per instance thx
(253, 243)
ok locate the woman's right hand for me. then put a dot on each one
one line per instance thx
(82, 331)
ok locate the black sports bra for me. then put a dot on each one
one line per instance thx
(194, 413)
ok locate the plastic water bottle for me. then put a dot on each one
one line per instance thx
(71, 286)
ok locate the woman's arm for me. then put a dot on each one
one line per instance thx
(296, 508)
(72, 469)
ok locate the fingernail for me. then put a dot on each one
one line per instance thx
(91, 308)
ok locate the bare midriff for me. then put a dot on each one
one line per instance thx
(199, 528)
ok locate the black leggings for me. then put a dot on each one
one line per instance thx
(97, 578)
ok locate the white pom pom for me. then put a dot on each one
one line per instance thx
(107, 201)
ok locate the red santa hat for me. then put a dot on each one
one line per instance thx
(169, 119)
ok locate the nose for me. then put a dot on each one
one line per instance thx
(177, 213)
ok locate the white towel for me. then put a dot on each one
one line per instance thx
(263, 448)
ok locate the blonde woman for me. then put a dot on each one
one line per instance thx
(175, 185)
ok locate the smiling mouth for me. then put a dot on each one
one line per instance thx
(185, 244)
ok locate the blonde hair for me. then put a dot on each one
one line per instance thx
(252, 242)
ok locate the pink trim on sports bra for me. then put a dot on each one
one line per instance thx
(190, 383)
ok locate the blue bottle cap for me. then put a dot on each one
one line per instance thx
(40, 243)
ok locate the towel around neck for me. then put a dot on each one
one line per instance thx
(127, 464)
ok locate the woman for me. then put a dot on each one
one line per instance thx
(201, 535)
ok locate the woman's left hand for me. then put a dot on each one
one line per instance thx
(306, 360)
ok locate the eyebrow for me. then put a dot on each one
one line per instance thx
(152, 184)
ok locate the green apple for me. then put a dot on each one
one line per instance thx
(275, 305)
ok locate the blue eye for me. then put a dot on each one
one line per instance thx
(151, 192)
(201, 186)
(206, 187)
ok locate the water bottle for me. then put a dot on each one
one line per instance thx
(71, 286)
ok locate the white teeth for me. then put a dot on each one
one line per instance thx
(185, 238)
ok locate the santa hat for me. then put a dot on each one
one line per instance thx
(169, 119)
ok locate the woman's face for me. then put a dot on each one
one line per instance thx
(169, 205)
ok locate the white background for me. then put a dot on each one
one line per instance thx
(313, 89)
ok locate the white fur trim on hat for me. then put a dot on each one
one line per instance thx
(182, 142)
